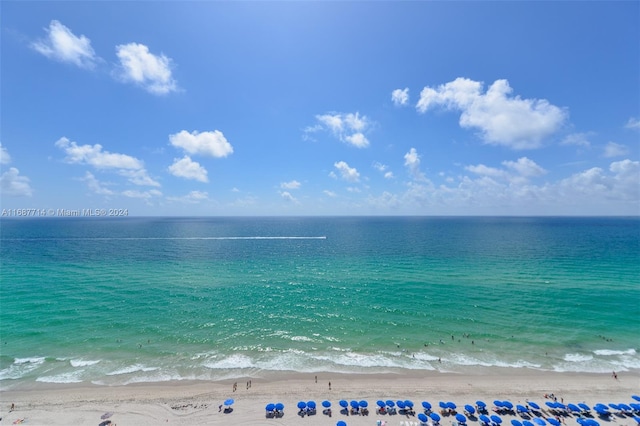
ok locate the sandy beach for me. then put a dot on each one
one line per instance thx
(197, 403)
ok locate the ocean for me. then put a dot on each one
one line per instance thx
(150, 300)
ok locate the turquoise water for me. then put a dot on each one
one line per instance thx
(156, 299)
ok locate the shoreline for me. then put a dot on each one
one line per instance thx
(195, 403)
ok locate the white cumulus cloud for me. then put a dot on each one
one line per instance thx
(412, 162)
(212, 144)
(350, 174)
(95, 156)
(64, 46)
(348, 128)
(525, 167)
(11, 183)
(400, 97)
(152, 72)
(186, 168)
(501, 118)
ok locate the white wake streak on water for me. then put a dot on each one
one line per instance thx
(322, 237)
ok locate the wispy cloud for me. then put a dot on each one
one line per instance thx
(294, 184)
(62, 45)
(400, 97)
(141, 67)
(502, 119)
(95, 156)
(633, 123)
(5, 158)
(613, 149)
(193, 197)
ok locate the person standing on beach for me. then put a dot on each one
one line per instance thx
(329, 385)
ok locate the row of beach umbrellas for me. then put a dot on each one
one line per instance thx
(488, 420)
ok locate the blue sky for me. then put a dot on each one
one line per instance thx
(321, 108)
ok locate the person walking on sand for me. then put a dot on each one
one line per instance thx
(329, 385)
(614, 375)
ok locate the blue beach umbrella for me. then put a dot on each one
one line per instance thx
(302, 405)
(435, 417)
(508, 405)
(591, 422)
(400, 404)
(354, 404)
(390, 403)
(279, 406)
(270, 407)
(461, 418)
(515, 422)
(451, 405)
(550, 404)
(635, 406)
(573, 407)
(343, 403)
(422, 417)
(614, 406)
(326, 404)
(637, 419)
(485, 419)
(426, 405)
(380, 403)
(469, 409)
(526, 423)
(363, 404)
(521, 409)
(584, 406)
(539, 421)
(481, 404)
(341, 423)
(311, 404)
(229, 402)
(497, 403)
(624, 407)
(553, 421)
(636, 397)
(442, 405)
(408, 403)
(496, 419)
(533, 405)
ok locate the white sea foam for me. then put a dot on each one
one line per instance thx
(608, 352)
(31, 360)
(303, 339)
(82, 362)
(234, 361)
(68, 377)
(131, 369)
(577, 357)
